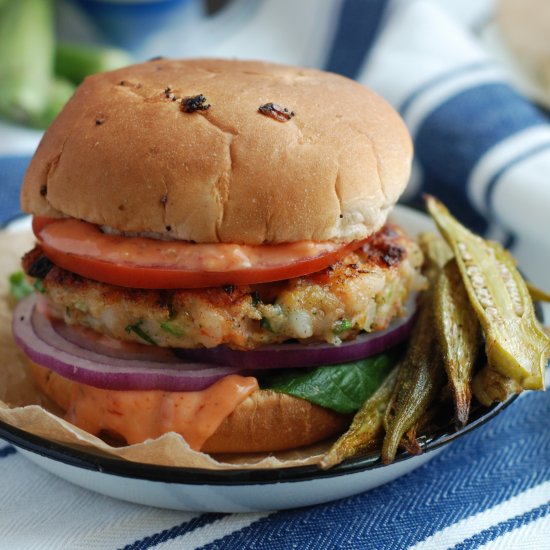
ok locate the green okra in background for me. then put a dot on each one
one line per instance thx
(38, 76)
(27, 44)
(77, 61)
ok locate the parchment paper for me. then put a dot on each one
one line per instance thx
(22, 405)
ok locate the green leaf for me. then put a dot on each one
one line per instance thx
(19, 286)
(343, 388)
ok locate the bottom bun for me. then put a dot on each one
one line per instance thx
(265, 421)
(271, 421)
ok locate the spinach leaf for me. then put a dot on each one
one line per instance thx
(343, 388)
(19, 286)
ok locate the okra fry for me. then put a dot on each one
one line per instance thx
(537, 294)
(76, 61)
(26, 58)
(365, 428)
(457, 326)
(436, 251)
(489, 386)
(420, 378)
(458, 334)
(409, 441)
(516, 346)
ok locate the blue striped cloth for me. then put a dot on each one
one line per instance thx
(485, 150)
(488, 490)
(479, 144)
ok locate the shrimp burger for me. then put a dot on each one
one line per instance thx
(213, 256)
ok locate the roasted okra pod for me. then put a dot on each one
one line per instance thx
(489, 386)
(366, 427)
(515, 343)
(537, 294)
(436, 254)
(421, 376)
(458, 334)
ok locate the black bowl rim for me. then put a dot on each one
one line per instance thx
(234, 477)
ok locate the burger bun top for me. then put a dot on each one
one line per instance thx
(123, 153)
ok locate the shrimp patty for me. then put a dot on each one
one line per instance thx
(363, 291)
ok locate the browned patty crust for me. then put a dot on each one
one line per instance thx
(363, 291)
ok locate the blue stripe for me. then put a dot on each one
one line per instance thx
(440, 79)
(504, 527)
(7, 451)
(456, 134)
(489, 466)
(357, 29)
(174, 532)
(455, 199)
(12, 170)
(129, 24)
(491, 186)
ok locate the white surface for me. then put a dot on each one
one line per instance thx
(507, 149)
(40, 511)
(18, 140)
(283, 31)
(403, 60)
(231, 498)
(471, 13)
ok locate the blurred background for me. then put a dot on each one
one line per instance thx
(48, 46)
(471, 78)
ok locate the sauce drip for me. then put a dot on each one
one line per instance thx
(140, 415)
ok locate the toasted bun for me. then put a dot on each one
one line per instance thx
(269, 421)
(265, 421)
(123, 154)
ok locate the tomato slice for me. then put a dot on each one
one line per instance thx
(139, 262)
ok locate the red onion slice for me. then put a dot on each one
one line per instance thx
(295, 355)
(44, 342)
(105, 345)
(35, 334)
